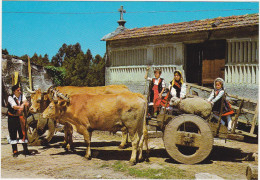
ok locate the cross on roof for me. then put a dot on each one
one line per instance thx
(121, 10)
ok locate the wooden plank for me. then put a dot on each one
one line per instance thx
(234, 123)
(237, 131)
(237, 137)
(254, 120)
(153, 123)
(242, 98)
(229, 95)
(188, 139)
(242, 121)
(243, 110)
(199, 87)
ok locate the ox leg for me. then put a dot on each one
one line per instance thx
(144, 139)
(135, 138)
(68, 143)
(124, 138)
(87, 138)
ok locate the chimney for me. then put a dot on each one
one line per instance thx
(121, 22)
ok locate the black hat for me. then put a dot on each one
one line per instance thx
(15, 87)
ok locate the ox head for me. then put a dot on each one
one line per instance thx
(57, 106)
(39, 100)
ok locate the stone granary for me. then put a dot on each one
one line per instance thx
(203, 50)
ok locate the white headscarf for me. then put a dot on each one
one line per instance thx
(221, 80)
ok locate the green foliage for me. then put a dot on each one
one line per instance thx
(5, 52)
(66, 52)
(83, 70)
(57, 74)
(151, 173)
(71, 66)
(39, 60)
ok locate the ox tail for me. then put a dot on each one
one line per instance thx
(144, 138)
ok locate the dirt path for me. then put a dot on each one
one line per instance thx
(227, 160)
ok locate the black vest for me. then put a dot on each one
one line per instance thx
(151, 88)
(177, 89)
(10, 109)
(217, 105)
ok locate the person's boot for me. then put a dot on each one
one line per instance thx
(15, 154)
(26, 152)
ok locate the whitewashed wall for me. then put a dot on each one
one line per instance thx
(133, 76)
(242, 65)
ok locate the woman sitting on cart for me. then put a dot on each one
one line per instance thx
(156, 89)
(215, 99)
(177, 89)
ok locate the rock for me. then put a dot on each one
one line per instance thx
(99, 176)
(252, 172)
(206, 176)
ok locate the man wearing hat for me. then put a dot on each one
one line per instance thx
(16, 121)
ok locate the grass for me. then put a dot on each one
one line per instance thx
(151, 173)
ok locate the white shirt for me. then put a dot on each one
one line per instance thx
(211, 97)
(12, 101)
(156, 81)
(182, 93)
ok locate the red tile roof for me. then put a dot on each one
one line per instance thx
(188, 27)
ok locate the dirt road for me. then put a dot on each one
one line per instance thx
(227, 160)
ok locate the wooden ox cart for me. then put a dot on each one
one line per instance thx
(189, 138)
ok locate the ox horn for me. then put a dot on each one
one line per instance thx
(55, 98)
(30, 91)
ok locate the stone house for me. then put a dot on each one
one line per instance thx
(224, 47)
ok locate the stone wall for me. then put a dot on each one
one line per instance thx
(40, 78)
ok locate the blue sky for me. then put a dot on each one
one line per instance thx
(44, 33)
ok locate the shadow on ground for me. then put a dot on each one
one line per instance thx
(108, 150)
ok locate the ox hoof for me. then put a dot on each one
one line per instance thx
(87, 157)
(132, 163)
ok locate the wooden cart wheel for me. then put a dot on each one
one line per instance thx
(32, 134)
(188, 139)
(50, 130)
(36, 129)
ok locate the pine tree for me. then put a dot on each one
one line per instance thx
(35, 58)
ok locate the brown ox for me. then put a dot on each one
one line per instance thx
(107, 112)
(41, 100)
